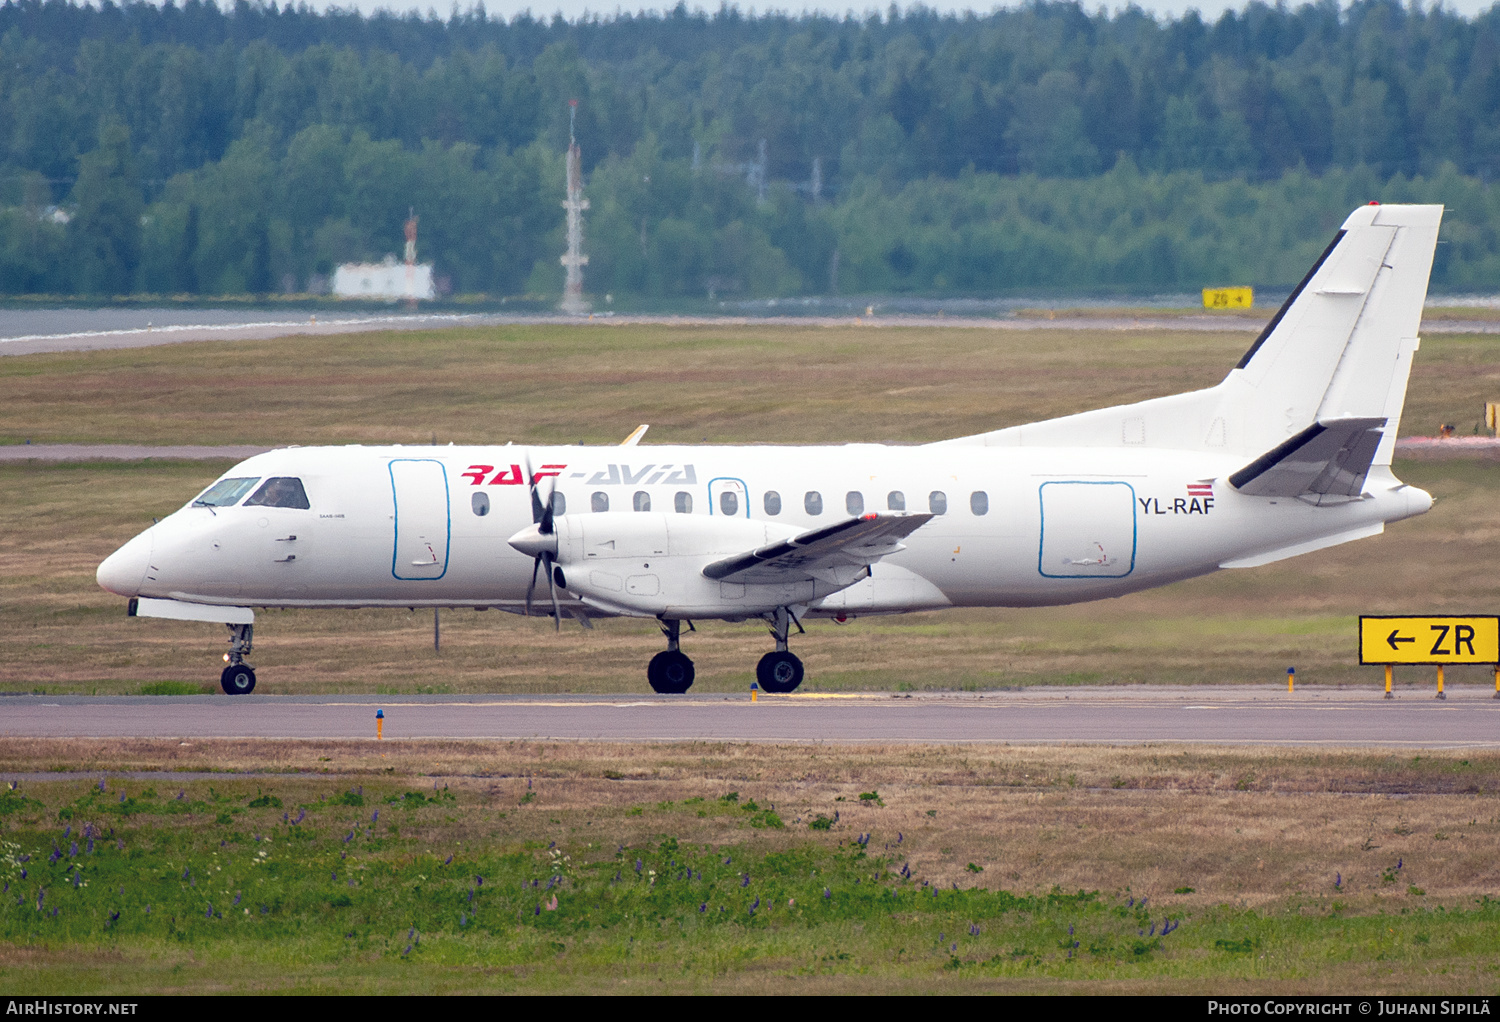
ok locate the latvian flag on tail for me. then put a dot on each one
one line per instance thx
(1200, 489)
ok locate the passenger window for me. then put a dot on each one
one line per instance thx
(481, 504)
(599, 501)
(280, 491)
(683, 502)
(729, 503)
(559, 504)
(979, 502)
(773, 503)
(854, 502)
(813, 502)
(226, 492)
(641, 501)
(895, 500)
(937, 502)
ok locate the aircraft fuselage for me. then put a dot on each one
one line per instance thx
(1011, 527)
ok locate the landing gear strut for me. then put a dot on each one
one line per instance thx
(670, 671)
(780, 670)
(238, 678)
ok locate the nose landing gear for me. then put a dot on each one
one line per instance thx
(238, 678)
(780, 670)
(670, 671)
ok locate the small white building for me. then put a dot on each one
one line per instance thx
(388, 279)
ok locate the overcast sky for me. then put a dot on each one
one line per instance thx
(1210, 9)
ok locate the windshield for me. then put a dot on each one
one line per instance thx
(226, 492)
(280, 491)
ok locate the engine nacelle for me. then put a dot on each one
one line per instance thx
(651, 564)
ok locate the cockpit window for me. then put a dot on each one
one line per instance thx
(280, 491)
(226, 492)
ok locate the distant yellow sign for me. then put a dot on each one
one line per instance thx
(1228, 297)
(1429, 640)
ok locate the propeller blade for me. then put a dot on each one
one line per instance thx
(544, 524)
(552, 592)
(536, 502)
(535, 564)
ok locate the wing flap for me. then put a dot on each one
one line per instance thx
(820, 553)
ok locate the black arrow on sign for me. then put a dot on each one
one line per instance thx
(1392, 639)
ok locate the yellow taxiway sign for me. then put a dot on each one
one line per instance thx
(1429, 640)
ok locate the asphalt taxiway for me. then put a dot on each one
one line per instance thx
(1469, 718)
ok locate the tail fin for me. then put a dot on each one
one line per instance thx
(1340, 349)
(1335, 357)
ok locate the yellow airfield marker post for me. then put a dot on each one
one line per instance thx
(1291, 679)
(1438, 639)
(754, 692)
(379, 724)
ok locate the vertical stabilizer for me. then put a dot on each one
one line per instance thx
(1341, 346)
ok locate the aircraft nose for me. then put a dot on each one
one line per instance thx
(122, 571)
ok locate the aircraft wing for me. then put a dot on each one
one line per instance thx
(836, 553)
(1325, 458)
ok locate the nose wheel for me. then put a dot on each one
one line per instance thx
(670, 671)
(238, 678)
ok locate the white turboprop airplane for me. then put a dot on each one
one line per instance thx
(1290, 453)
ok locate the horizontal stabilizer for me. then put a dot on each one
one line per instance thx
(855, 542)
(1325, 458)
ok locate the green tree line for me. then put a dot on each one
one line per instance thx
(197, 149)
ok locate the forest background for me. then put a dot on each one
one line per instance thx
(194, 149)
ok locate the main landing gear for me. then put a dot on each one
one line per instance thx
(670, 671)
(238, 678)
(780, 670)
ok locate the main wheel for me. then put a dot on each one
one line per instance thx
(779, 672)
(238, 680)
(670, 672)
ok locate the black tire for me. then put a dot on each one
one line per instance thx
(670, 672)
(238, 680)
(779, 672)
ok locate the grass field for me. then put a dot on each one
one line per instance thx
(60, 633)
(594, 384)
(466, 867)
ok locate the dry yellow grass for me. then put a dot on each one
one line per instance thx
(567, 384)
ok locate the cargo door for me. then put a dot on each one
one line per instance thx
(1088, 530)
(419, 488)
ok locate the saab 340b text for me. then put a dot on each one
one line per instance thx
(1290, 453)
